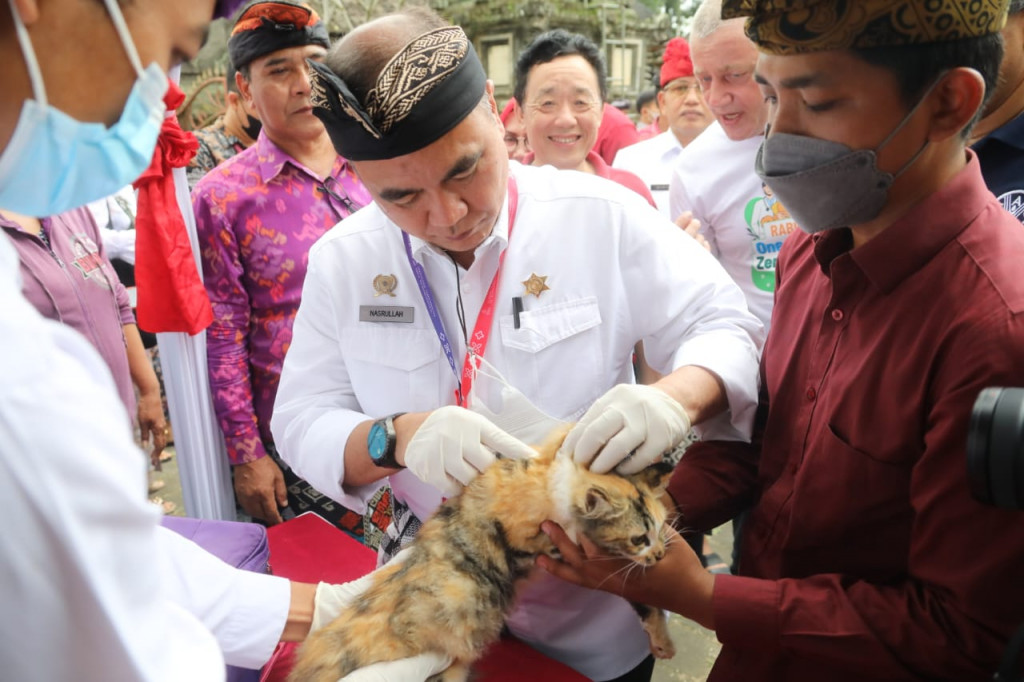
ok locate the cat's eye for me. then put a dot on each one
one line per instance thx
(639, 540)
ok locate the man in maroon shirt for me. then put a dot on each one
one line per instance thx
(865, 556)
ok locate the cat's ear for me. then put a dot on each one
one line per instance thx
(655, 476)
(596, 503)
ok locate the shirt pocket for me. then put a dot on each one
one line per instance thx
(855, 498)
(392, 369)
(556, 355)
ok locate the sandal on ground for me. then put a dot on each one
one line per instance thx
(156, 484)
(167, 506)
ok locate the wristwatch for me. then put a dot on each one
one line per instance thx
(382, 440)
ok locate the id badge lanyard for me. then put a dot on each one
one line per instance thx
(477, 342)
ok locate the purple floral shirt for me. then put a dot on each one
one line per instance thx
(257, 215)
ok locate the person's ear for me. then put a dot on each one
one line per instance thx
(661, 99)
(28, 10)
(955, 101)
(244, 89)
(491, 104)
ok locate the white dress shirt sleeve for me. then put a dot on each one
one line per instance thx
(315, 409)
(245, 611)
(81, 585)
(92, 587)
(692, 313)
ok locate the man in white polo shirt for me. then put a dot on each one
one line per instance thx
(687, 115)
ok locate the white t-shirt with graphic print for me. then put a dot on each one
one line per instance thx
(714, 177)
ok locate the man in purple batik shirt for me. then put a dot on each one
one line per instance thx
(257, 215)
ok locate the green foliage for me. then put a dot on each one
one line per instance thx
(680, 12)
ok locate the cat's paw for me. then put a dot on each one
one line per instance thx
(656, 627)
(663, 648)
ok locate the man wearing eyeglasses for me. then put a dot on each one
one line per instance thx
(714, 177)
(686, 115)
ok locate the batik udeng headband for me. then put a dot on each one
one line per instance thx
(423, 92)
(798, 26)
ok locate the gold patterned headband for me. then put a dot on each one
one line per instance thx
(424, 91)
(797, 26)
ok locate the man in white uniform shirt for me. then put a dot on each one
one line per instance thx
(714, 177)
(92, 587)
(686, 114)
(553, 277)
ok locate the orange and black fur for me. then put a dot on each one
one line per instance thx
(458, 579)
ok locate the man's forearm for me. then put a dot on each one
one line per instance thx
(359, 468)
(698, 390)
(139, 364)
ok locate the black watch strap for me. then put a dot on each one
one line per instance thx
(387, 459)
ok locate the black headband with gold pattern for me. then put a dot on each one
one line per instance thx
(798, 26)
(423, 92)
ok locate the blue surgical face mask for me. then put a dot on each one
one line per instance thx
(54, 163)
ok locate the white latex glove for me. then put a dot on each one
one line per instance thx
(331, 599)
(415, 669)
(626, 429)
(454, 445)
(329, 602)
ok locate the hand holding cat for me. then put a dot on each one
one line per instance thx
(454, 445)
(677, 583)
(626, 429)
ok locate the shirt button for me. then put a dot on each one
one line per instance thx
(837, 314)
(811, 393)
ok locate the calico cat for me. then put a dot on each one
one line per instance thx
(458, 578)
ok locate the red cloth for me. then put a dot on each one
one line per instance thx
(308, 549)
(864, 556)
(616, 131)
(676, 62)
(508, 111)
(603, 170)
(171, 293)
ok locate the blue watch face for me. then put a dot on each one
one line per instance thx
(377, 441)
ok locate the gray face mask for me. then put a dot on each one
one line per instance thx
(825, 185)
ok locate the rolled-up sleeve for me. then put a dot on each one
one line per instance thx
(692, 313)
(316, 408)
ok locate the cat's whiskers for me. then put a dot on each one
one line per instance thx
(622, 573)
(672, 517)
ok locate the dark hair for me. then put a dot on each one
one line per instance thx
(558, 43)
(358, 59)
(918, 67)
(1016, 6)
(644, 97)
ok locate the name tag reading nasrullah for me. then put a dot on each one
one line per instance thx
(386, 313)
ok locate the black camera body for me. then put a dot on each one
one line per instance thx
(995, 470)
(995, 448)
